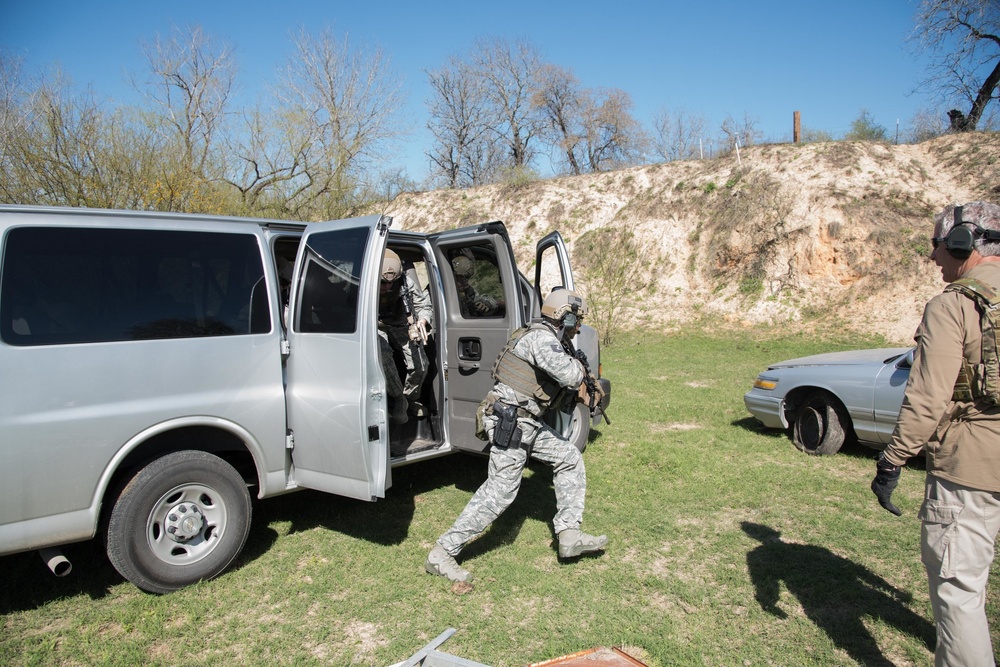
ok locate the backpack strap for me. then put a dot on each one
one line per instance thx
(980, 381)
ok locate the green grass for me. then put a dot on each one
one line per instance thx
(690, 491)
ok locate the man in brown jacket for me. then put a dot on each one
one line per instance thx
(950, 412)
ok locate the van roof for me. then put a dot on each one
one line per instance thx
(150, 216)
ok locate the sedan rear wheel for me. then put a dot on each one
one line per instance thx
(821, 425)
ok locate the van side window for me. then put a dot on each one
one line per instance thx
(85, 285)
(478, 281)
(331, 281)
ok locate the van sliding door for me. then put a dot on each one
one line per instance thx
(335, 390)
(482, 290)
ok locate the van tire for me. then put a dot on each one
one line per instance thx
(181, 519)
(577, 431)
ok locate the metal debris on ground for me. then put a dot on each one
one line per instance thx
(595, 657)
(429, 656)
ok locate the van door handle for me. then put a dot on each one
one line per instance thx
(470, 349)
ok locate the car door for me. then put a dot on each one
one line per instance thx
(335, 393)
(471, 342)
(889, 388)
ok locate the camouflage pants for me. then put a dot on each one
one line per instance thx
(397, 338)
(501, 486)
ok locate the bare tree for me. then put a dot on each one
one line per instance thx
(463, 153)
(11, 118)
(65, 148)
(593, 130)
(613, 136)
(341, 110)
(561, 102)
(742, 133)
(964, 38)
(191, 78)
(613, 277)
(509, 71)
(678, 135)
(268, 159)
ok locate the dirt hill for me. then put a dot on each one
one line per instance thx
(832, 232)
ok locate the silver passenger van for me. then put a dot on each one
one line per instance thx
(158, 368)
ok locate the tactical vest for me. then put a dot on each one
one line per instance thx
(980, 382)
(521, 376)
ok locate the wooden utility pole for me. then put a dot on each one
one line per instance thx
(796, 127)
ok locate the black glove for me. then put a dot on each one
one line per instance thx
(886, 479)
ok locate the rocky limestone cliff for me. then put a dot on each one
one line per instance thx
(836, 232)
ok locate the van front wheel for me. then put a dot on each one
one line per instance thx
(574, 426)
(181, 519)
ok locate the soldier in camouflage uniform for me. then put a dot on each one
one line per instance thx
(512, 420)
(399, 291)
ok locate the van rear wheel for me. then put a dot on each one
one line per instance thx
(181, 519)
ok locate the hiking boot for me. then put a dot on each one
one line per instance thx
(573, 543)
(398, 414)
(439, 562)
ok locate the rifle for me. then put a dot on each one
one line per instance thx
(594, 391)
(417, 328)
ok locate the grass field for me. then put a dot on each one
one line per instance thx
(727, 547)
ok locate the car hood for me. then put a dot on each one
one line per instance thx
(848, 358)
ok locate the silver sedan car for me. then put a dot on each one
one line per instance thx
(827, 399)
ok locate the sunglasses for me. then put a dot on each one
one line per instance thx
(938, 240)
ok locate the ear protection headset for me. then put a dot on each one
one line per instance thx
(961, 240)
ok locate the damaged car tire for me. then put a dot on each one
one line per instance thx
(821, 425)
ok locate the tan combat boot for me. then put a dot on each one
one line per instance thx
(439, 562)
(573, 543)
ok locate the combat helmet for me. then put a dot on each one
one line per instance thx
(463, 267)
(392, 267)
(562, 301)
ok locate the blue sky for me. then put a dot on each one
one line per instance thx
(763, 59)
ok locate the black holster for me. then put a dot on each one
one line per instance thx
(506, 433)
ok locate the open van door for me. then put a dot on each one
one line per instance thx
(335, 395)
(552, 266)
(552, 270)
(475, 334)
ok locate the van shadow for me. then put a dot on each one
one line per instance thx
(535, 500)
(388, 520)
(835, 593)
(28, 584)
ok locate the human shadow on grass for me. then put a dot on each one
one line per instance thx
(835, 593)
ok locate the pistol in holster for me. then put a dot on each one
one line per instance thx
(506, 433)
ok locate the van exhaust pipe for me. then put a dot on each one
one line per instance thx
(56, 562)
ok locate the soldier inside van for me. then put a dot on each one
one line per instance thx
(405, 318)
(473, 304)
(284, 285)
